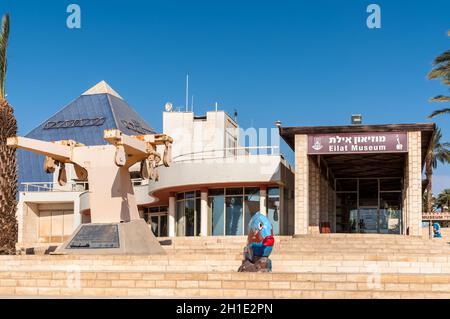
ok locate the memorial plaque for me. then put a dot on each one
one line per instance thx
(96, 236)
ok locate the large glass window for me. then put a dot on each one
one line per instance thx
(368, 192)
(188, 214)
(346, 212)
(180, 218)
(232, 208)
(374, 206)
(217, 204)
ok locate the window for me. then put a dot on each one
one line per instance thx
(188, 216)
(232, 208)
(216, 205)
(233, 219)
(374, 206)
(156, 217)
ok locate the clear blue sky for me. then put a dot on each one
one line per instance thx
(302, 62)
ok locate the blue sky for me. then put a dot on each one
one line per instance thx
(301, 62)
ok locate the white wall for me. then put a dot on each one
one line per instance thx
(199, 136)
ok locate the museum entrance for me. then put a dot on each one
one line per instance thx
(368, 205)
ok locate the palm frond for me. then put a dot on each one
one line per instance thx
(444, 57)
(442, 71)
(4, 35)
(439, 112)
(438, 152)
(440, 98)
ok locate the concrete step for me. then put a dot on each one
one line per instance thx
(223, 285)
(324, 243)
(228, 263)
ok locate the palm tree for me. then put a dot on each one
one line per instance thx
(443, 199)
(441, 71)
(425, 202)
(436, 152)
(8, 169)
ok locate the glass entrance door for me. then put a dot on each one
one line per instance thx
(368, 219)
(369, 205)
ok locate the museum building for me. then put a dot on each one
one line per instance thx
(348, 179)
(213, 187)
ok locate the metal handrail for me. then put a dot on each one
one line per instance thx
(50, 186)
(231, 152)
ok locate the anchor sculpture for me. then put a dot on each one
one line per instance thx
(116, 226)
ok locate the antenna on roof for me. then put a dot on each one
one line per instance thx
(216, 106)
(187, 92)
(192, 103)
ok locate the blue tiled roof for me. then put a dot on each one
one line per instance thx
(84, 121)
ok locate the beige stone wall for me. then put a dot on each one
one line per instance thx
(30, 221)
(301, 185)
(314, 197)
(323, 196)
(413, 184)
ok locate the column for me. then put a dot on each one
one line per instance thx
(204, 212)
(171, 216)
(314, 197)
(414, 201)
(263, 200)
(404, 219)
(301, 201)
(331, 208)
(282, 210)
(77, 218)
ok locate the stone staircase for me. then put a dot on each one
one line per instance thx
(319, 266)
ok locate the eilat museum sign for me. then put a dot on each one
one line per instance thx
(347, 143)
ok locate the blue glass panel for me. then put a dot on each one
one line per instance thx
(234, 215)
(217, 207)
(273, 208)
(189, 216)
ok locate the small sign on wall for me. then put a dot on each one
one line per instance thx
(358, 143)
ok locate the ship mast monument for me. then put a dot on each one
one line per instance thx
(116, 227)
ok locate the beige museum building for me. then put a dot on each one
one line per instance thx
(347, 179)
